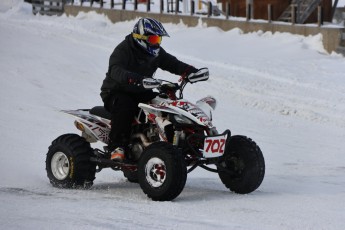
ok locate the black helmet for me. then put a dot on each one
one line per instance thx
(148, 33)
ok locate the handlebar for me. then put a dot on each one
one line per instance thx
(170, 88)
(165, 87)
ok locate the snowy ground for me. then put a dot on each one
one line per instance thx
(282, 90)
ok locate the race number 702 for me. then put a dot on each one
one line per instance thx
(214, 146)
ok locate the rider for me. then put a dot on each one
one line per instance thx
(135, 58)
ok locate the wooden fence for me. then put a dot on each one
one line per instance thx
(56, 7)
(212, 10)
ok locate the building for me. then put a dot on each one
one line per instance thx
(280, 9)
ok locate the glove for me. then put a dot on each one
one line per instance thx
(189, 70)
(134, 79)
(134, 83)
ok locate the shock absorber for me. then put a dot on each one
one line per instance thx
(176, 137)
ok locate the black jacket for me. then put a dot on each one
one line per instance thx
(130, 60)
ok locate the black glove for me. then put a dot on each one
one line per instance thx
(134, 79)
(134, 83)
(190, 69)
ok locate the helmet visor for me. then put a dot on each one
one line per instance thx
(151, 39)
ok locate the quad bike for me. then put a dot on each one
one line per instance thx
(170, 137)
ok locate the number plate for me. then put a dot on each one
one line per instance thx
(214, 146)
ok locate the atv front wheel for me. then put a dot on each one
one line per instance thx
(162, 172)
(68, 162)
(242, 168)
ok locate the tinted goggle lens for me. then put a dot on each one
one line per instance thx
(151, 39)
(154, 39)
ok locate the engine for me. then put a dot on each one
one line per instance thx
(143, 136)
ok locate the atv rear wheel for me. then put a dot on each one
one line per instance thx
(162, 171)
(68, 162)
(243, 167)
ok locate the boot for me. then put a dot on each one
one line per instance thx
(118, 154)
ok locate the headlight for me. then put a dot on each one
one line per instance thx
(182, 120)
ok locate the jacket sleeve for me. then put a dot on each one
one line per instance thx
(170, 63)
(117, 67)
(119, 75)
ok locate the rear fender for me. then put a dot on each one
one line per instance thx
(93, 128)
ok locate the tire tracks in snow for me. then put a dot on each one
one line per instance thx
(274, 90)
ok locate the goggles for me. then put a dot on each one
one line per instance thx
(151, 39)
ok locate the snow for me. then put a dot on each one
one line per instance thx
(341, 3)
(282, 90)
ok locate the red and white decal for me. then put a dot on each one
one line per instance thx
(193, 111)
(214, 146)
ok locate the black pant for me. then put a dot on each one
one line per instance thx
(123, 108)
